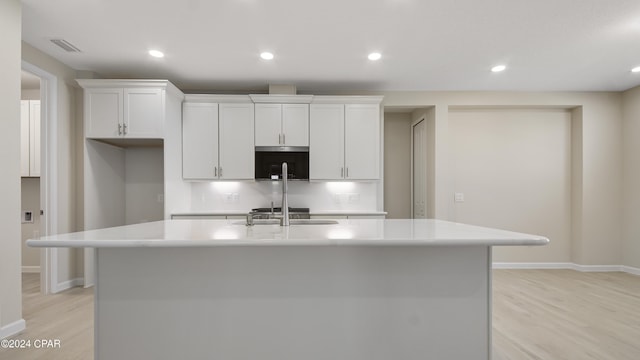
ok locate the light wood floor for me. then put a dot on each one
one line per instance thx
(537, 314)
(67, 316)
(565, 314)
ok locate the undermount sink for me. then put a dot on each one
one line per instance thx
(291, 222)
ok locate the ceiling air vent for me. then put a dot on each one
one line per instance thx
(67, 46)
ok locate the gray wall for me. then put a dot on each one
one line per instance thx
(31, 202)
(596, 171)
(397, 165)
(631, 189)
(514, 168)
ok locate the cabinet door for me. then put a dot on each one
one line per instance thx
(199, 141)
(295, 124)
(24, 138)
(103, 112)
(326, 142)
(362, 141)
(143, 113)
(34, 138)
(268, 124)
(237, 151)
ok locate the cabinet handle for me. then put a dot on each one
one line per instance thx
(215, 171)
(347, 171)
(221, 172)
(124, 129)
(119, 129)
(284, 141)
(341, 172)
(279, 138)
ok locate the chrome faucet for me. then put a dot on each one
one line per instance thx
(284, 221)
(284, 215)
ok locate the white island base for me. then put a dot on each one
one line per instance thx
(279, 303)
(357, 290)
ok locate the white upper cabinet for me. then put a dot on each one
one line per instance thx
(24, 138)
(30, 138)
(344, 141)
(326, 142)
(268, 124)
(132, 109)
(218, 141)
(362, 141)
(103, 112)
(143, 113)
(237, 150)
(282, 124)
(199, 141)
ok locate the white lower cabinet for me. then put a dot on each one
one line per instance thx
(217, 141)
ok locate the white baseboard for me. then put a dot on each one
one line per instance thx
(31, 269)
(69, 284)
(597, 268)
(12, 329)
(571, 266)
(501, 265)
(631, 270)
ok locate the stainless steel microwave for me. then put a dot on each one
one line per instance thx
(269, 161)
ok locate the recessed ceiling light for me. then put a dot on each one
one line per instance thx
(266, 55)
(374, 56)
(635, 69)
(498, 68)
(156, 53)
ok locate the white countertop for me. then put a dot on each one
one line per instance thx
(207, 233)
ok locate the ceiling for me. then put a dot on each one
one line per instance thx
(322, 46)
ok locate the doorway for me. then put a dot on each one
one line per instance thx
(47, 174)
(30, 114)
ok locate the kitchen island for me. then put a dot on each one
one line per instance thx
(355, 290)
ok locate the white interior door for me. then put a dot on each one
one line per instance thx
(419, 166)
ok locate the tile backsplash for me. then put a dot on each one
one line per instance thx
(242, 196)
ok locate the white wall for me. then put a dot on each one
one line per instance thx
(514, 168)
(66, 153)
(397, 169)
(631, 188)
(10, 278)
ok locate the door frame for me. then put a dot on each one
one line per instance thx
(413, 125)
(48, 174)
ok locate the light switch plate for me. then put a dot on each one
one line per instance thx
(459, 197)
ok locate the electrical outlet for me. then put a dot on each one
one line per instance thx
(27, 217)
(353, 198)
(458, 197)
(160, 198)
